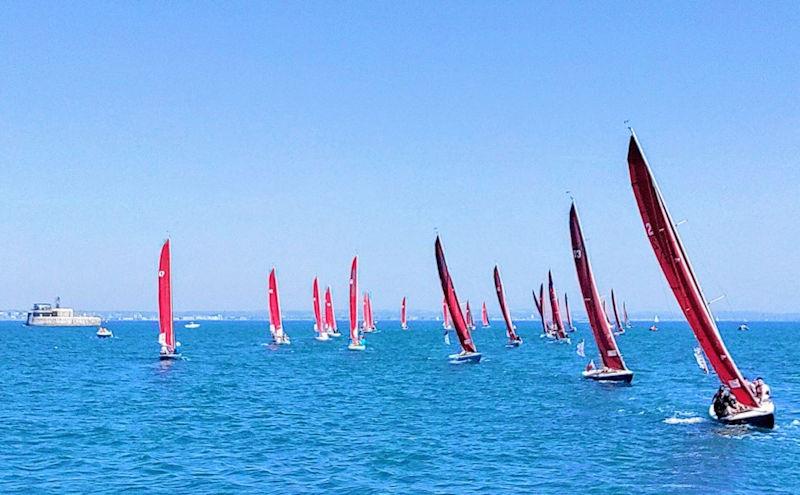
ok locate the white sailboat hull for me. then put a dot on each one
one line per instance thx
(762, 417)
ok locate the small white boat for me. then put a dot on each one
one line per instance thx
(761, 417)
(609, 375)
(743, 327)
(104, 333)
(191, 325)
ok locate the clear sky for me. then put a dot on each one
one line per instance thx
(298, 134)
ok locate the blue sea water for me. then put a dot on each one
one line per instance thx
(84, 415)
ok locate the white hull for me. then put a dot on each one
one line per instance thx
(356, 347)
(763, 417)
(323, 337)
(63, 321)
(104, 333)
(469, 357)
(609, 375)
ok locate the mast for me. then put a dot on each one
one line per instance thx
(501, 298)
(677, 269)
(451, 300)
(166, 329)
(606, 344)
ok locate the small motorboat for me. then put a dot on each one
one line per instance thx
(743, 327)
(465, 357)
(104, 333)
(653, 328)
(191, 325)
(609, 375)
(760, 417)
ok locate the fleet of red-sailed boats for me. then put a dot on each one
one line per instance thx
(665, 241)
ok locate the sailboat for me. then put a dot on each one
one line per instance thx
(446, 316)
(654, 326)
(625, 320)
(356, 343)
(470, 321)
(570, 326)
(671, 255)
(319, 327)
(403, 315)
(539, 303)
(514, 340)
(620, 329)
(279, 336)
(330, 316)
(701, 362)
(613, 368)
(468, 354)
(166, 327)
(484, 316)
(557, 322)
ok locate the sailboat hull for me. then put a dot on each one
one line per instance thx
(169, 357)
(513, 343)
(356, 347)
(620, 376)
(761, 417)
(469, 357)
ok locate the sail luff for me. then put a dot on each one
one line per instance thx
(677, 269)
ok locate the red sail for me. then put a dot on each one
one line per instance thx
(451, 300)
(354, 301)
(330, 318)
(317, 306)
(606, 344)
(566, 308)
(470, 322)
(669, 251)
(403, 319)
(501, 298)
(554, 306)
(616, 314)
(274, 305)
(539, 307)
(484, 315)
(166, 328)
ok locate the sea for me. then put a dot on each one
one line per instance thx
(80, 414)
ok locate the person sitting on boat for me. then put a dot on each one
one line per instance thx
(733, 406)
(762, 391)
(720, 401)
(164, 350)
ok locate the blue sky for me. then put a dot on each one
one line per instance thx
(300, 134)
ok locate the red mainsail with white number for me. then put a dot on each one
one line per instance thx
(669, 251)
(166, 328)
(451, 300)
(603, 336)
(275, 320)
(484, 315)
(403, 316)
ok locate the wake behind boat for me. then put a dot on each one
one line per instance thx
(744, 406)
(613, 368)
(166, 326)
(468, 354)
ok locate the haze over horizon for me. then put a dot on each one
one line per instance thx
(299, 135)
